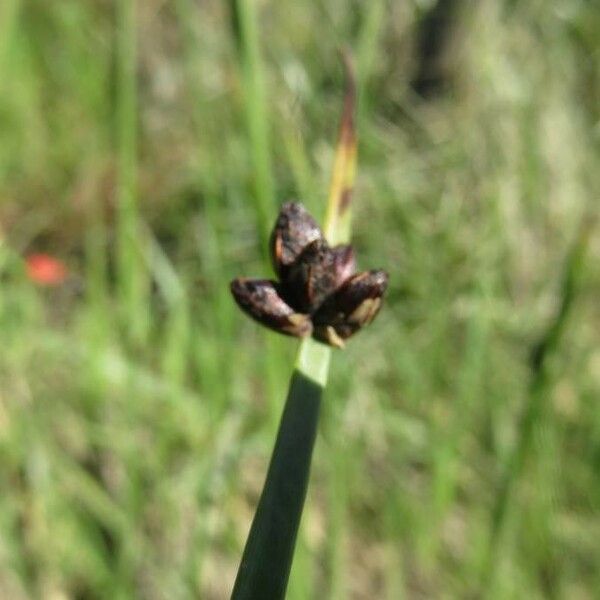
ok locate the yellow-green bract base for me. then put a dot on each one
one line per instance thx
(313, 361)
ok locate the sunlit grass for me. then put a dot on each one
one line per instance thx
(137, 415)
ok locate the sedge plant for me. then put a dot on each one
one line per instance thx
(268, 554)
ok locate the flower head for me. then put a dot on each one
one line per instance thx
(318, 293)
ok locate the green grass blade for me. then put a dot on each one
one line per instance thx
(131, 277)
(9, 12)
(245, 25)
(535, 411)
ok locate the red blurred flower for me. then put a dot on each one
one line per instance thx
(44, 269)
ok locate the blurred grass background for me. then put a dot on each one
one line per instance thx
(149, 145)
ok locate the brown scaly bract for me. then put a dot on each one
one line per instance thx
(318, 291)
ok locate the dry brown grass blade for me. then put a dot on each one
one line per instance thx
(339, 210)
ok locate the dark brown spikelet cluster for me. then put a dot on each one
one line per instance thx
(318, 293)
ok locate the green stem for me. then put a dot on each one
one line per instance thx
(267, 559)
